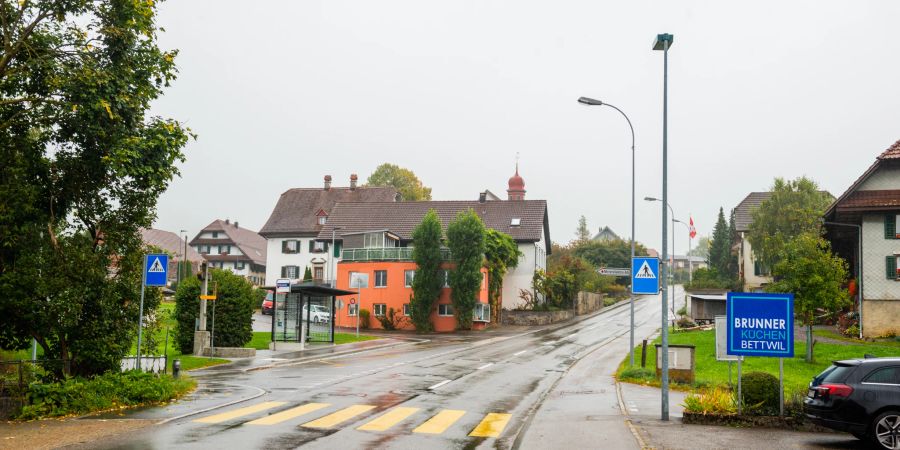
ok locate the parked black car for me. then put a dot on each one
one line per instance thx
(858, 396)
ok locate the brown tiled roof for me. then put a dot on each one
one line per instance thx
(893, 152)
(252, 245)
(170, 243)
(295, 212)
(402, 217)
(872, 199)
(743, 212)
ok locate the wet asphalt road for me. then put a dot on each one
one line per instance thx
(509, 391)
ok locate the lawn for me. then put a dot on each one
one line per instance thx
(261, 339)
(797, 372)
(188, 362)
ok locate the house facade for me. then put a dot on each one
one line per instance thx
(606, 234)
(753, 274)
(295, 223)
(872, 205)
(225, 245)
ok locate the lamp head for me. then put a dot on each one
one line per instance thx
(589, 101)
(661, 40)
(651, 199)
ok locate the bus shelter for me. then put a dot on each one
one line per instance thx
(309, 307)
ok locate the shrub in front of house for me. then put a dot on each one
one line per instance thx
(759, 391)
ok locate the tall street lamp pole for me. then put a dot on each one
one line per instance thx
(179, 275)
(663, 42)
(592, 102)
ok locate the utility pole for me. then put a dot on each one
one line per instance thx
(201, 336)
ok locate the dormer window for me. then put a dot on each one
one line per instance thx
(321, 217)
(515, 221)
(322, 220)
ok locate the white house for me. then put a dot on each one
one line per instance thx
(296, 221)
(872, 203)
(226, 245)
(753, 274)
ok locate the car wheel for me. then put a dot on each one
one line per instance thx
(886, 430)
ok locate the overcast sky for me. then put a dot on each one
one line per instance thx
(282, 93)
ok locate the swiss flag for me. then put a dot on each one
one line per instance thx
(693, 229)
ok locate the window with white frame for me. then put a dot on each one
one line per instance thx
(239, 265)
(290, 246)
(224, 249)
(373, 240)
(381, 278)
(379, 309)
(318, 246)
(446, 278)
(406, 309)
(292, 272)
(351, 309)
(408, 276)
(445, 310)
(322, 220)
(481, 313)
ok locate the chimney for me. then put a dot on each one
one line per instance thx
(235, 224)
(227, 221)
(327, 182)
(353, 179)
(482, 197)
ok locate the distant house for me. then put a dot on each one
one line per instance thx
(872, 202)
(296, 221)
(228, 246)
(175, 246)
(606, 234)
(753, 274)
(682, 262)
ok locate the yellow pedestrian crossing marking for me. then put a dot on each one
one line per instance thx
(491, 426)
(240, 412)
(338, 417)
(440, 422)
(389, 419)
(289, 414)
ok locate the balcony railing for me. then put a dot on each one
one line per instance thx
(384, 254)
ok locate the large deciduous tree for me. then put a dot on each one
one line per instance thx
(236, 298)
(795, 208)
(807, 268)
(429, 279)
(465, 237)
(582, 233)
(405, 181)
(82, 167)
(501, 254)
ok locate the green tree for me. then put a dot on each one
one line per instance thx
(465, 237)
(236, 298)
(82, 167)
(701, 247)
(405, 181)
(613, 253)
(807, 268)
(794, 208)
(307, 274)
(501, 254)
(429, 279)
(582, 233)
(720, 247)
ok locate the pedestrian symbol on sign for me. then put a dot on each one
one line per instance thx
(645, 271)
(156, 267)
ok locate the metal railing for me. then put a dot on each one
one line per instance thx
(384, 254)
(16, 375)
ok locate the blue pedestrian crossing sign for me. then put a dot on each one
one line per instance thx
(156, 268)
(645, 275)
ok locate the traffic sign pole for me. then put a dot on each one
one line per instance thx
(141, 313)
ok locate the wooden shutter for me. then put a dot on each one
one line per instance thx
(890, 266)
(283, 271)
(284, 247)
(312, 245)
(890, 226)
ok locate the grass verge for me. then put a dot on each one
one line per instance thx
(261, 339)
(710, 373)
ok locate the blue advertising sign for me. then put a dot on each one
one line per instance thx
(155, 268)
(645, 275)
(760, 324)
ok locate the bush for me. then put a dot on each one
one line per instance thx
(614, 289)
(852, 331)
(682, 311)
(718, 400)
(392, 320)
(609, 301)
(637, 373)
(364, 318)
(686, 322)
(237, 299)
(759, 391)
(107, 391)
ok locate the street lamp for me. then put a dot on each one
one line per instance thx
(592, 102)
(333, 264)
(178, 276)
(663, 42)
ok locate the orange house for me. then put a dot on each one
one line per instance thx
(387, 284)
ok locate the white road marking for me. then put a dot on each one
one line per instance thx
(519, 353)
(485, 366)
(571, 335)
(438, 385)
(551, 343)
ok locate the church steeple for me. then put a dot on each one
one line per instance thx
(516, 189)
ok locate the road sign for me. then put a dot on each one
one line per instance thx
(155, 269)
(283, 286)
(760, 324)
(615, 271)
(645, 278)
(208, 297)
(352, 301)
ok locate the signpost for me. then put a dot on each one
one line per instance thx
(615, 271)
(283, 286)
(156, 268)
(358, 280)
(645, 278)
(760, 325)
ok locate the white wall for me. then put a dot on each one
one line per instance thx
(533, 257)
(751, 281)
(876, 248)
(884, 178)
(275, 259)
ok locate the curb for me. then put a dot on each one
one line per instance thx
(628, 421)
(212, 408)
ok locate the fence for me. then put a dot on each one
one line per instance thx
(15, 376)
(151, 364)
